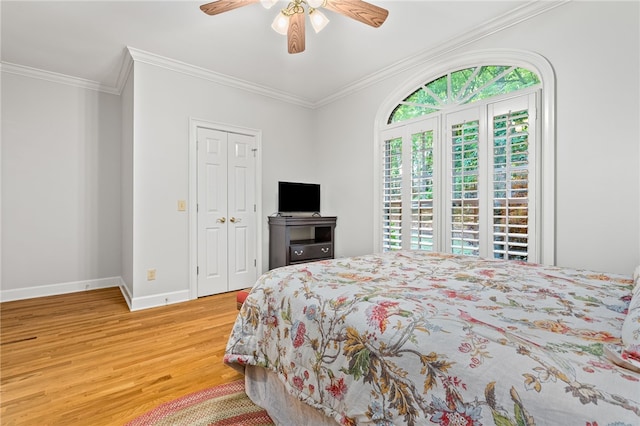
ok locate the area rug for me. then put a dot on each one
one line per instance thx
(223, 405)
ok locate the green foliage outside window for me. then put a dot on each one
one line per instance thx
(463, 87)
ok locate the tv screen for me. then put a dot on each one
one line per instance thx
(298, 197)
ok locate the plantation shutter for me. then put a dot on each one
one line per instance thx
(392, 194)
(513, 178)
(423, 189)
(464, 183)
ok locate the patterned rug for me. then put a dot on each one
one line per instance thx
(222, 405)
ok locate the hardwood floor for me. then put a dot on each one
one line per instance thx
(85, 359)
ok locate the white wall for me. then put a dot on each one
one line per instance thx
(164, 101)
(596, 61)
(60, 187)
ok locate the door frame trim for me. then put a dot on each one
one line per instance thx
(194, 124)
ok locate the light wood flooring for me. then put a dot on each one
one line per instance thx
(85, 359)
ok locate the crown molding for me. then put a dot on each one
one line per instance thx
(125, 70)
(10, 68)
(223, 79)
(507, 20)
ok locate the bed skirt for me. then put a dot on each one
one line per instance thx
(265, 389)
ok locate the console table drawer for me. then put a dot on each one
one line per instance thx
(300, 252)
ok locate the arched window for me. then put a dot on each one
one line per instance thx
(461, 165)
(463, 87)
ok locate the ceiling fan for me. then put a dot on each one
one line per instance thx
(291, 20)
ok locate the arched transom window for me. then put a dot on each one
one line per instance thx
(463, 87)
(461, 163)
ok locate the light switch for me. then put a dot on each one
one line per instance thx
(182, 205)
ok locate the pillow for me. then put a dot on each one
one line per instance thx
(631, 333)
(636, 280)
(618, 356)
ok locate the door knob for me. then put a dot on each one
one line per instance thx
(235, 220)
(222, 220)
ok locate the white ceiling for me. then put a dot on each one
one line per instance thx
(88, 39)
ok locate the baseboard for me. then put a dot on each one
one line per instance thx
(61, 288)
(155, 300)
(134, 303)
(126, 294)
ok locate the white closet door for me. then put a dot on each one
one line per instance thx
(227, 235)
(212, 212)
(241, 211)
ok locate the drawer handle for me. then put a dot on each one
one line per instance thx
(324, 249)
(298, 253)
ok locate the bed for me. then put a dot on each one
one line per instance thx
(411, 337)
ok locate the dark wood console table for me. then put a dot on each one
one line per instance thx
(300, 239)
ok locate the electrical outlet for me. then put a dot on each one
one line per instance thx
(182, 205)
(151, 274)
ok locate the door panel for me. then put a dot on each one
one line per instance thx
(213, 202)
(213, 267)
(241, 243)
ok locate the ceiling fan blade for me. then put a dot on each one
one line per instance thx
(220, 6)
(359, 10)
(295, 33)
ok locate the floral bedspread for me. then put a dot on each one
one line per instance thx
(424, 338)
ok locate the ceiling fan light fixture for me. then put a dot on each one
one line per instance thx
(318, 19)
(281, 23)
(267, 4)
(291, 20)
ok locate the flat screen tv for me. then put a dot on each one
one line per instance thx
(296, 197)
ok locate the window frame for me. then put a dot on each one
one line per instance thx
(545, 213)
